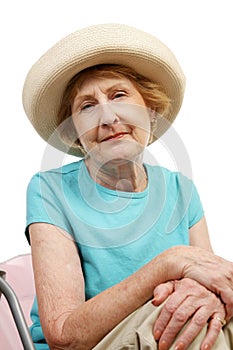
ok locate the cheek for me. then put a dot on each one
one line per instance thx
(83, 127)
(87, 139)
(142, 130)
(137, 115)
(142, 136)
(142, 123)
(86, 134)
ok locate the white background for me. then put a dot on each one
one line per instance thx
(198, 32)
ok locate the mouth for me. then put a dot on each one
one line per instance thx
(116, 136)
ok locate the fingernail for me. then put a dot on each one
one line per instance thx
(155, 299)
(207, 347)
(157, 334)
(179, 346)
(163, 345)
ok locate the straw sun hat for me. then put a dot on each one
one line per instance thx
(99, 44)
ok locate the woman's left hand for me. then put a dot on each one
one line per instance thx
(187, 300)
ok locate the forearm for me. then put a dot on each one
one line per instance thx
(92, 320)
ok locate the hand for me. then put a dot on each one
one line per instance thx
(213, 272)
(186, 299)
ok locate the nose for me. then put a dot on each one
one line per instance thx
(107, 115)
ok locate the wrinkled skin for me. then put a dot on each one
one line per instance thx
(186, 299)
(200, 264)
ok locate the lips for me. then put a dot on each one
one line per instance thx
(115, 136)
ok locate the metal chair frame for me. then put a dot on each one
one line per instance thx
(16, 311)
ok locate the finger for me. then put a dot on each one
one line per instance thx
(177, 322)
(198, 315)
(214, 328)
(227, 297)
(161, 292)
(168, 311)
(194, 327)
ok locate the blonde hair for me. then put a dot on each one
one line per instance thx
(151, 92)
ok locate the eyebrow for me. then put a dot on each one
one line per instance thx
(79, 99)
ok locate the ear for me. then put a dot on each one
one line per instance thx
(152, 115)
(153, 118)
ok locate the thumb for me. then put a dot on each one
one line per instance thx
(161, 292)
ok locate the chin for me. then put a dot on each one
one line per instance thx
(119, 153)
(120, 158)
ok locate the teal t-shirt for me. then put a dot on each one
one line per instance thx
(116, 232)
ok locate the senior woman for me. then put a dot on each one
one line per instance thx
(121, 253)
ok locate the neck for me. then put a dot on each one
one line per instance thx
(122, 176)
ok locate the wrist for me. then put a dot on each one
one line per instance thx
(173, 261)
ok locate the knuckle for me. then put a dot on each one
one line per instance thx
(199, 320)
(161, 322)
(188, 282)
(203, 293)
(180, 316)
(212, 299)
(216, 325)
(170, 307)
(216, 281)
(170, 286)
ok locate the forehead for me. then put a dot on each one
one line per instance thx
(104, 84)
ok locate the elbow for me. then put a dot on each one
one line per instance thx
(56, 341)
(67, 341)
(68, 333)
(62, 344)
(59, 342)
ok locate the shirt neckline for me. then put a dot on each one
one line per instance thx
(110, 192)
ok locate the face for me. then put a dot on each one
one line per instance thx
(111, 119)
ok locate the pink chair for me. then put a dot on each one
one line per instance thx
(18, 291)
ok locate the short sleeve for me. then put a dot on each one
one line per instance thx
(185, 207)
(196, 211)
(44, 203)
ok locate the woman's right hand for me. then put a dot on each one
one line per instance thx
(213, 272)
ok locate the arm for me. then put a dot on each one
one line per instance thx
(70, 322)
(199, 235)
(67, 320)
(185, 296)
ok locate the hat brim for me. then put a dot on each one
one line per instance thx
(101, 44)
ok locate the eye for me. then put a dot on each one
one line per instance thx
(86, 106)
(119, 94)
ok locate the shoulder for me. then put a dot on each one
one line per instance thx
(172, 184)
(63, 170)
(170, 177)
(54, 178)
